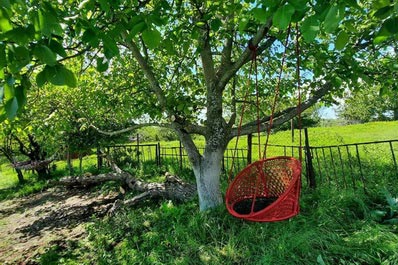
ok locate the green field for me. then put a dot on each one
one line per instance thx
(320, 136)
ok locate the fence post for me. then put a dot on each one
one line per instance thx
(138, 148)
(310, 168)
(99, 158)
(158, 154)
(180, 155)
(249, 148)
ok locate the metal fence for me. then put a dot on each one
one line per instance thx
(367, 164)
(358, 165)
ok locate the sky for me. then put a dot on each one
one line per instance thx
(328, 112)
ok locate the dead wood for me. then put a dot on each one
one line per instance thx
(173, 188)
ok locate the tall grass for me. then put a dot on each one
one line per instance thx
(333, 227)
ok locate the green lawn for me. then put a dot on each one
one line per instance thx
(321, 136)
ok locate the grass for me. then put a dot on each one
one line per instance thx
(333, 227)
(11, 188)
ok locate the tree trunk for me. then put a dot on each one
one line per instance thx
(207, 173)
(42, 173)
(395, 114)
(7, 151)
(69, 162)
(80, 163)
(20, 176)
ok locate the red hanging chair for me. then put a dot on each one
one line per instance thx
(267, 190)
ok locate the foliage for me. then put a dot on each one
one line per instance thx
(368, 105)
(152, 134)
(388, 214)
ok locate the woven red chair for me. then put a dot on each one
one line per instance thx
(267, 190)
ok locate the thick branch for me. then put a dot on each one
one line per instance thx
(207, 59)
(229, 72)
(129, 129)
(154, 85)
(285, 115)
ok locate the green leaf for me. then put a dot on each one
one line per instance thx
(90, 37)
(169, 46)
(299, 4)
(378, 214)
(60, 76)
(243, 25)
(70, 78)
(5, 4)
(380, 39)
(3, 57)
(388, 29)
(377, 4)
(215, 24)
(41, 78)
(390, 200)
(20, 95)
(260, 14)
(383, 91)
(11, 108)
(20, 35)
(110, 46)
(283, 16)
(18, 58)
(320, 260)
(101, 65)
(310, 28)
(45, 55)
(9, 92)
(333, 18)
(341, 40)
(352, 3)
(5, 24)
(384, 12)
(57, 47)
(151, 38)
(137, 28)
(391, 25)
(104, 4)
(48, 23)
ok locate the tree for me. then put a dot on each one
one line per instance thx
(7, 150)
(57, 116)
(194, 56)
(367, 105)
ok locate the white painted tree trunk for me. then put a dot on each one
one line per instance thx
(207, 173)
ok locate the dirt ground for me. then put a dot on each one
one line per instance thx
(29, 225)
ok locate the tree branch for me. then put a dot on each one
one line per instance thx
(207, 59)
(285, 115)
(228, 73)
(204, 44)
(154, 85)
(129, 129)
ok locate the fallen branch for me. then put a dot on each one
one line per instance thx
(173, 188)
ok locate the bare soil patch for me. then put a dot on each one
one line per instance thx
(29, 225)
